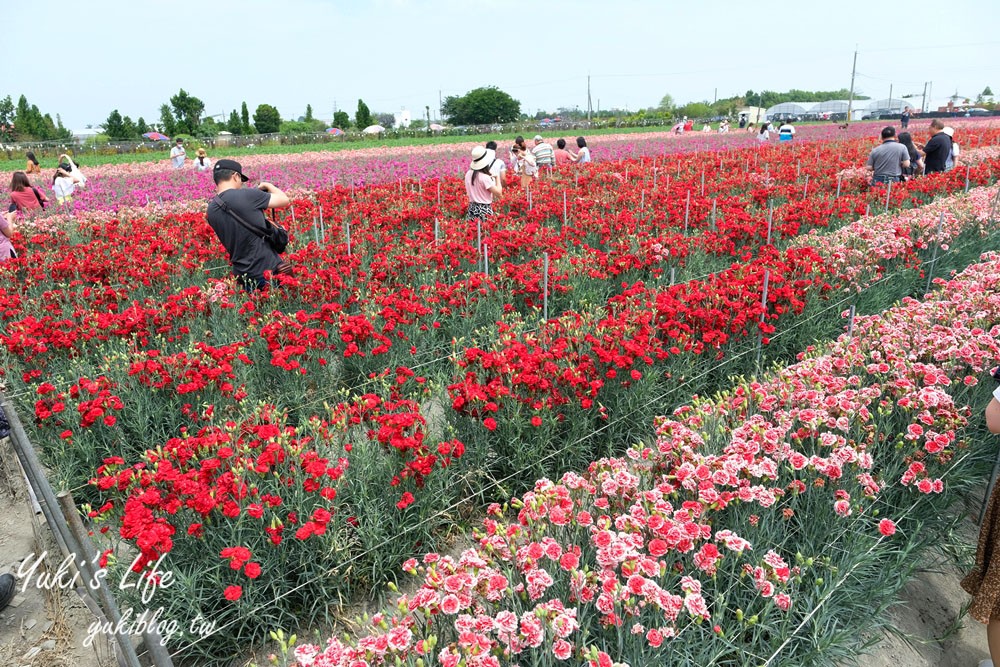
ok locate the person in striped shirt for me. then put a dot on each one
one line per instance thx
(545, 156)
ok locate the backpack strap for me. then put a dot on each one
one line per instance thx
(257, 231)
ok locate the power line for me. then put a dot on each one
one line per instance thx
(927, 48)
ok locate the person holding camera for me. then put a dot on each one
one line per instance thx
(523, 161)
(499, 167)
(480, 186)
(236, 214)
(178, 155)
(983, 583)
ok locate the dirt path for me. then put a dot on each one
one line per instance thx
(41, 627)
(930, 628)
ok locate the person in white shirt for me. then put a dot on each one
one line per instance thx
(582, 156)
(64, 184)
(786, 132)
(706, 128)
(951, 161)
(524, 164)
(67, 164)
(498, 167)
(202, 163)
(178, 154)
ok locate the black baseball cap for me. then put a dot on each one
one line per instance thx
(231, 165)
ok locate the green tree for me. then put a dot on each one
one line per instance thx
(209, 128)
(309, 113)
(7, 119)
(128, 128)
(187, 110)
(167, 123)
(386, 120)
(28, 121)
(245, 117)
(22, 117)
(266, 119)
(363, 116)
(295, 127)
(234, 125)
(140, 127)
(114, 126)
(48, 127)
(695, 110)
(341, 120)
(666, 103)
(62, 134)
(481, 106)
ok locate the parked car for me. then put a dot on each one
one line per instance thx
(781, 117)
(880, 114)
(978, 111)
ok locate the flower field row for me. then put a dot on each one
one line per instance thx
(335, 426)
(719, 543)
(119, 187)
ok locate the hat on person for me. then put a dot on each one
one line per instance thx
(201, 152)
(481, 157)
(231, 165)
(950, 131)
(538, 137)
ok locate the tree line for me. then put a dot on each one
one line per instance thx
(26, 122)
(183, 114)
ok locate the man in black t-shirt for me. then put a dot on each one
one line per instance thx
(249, 253)
(936, 150)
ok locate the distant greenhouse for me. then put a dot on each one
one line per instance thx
(893, 105)
(786, 109)
(831, 106)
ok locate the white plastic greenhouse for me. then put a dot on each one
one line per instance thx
(893, 105)
(832, 106)
(789, 109)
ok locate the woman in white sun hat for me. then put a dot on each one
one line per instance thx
(479, 185)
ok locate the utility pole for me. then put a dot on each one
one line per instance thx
(715, 98)
(588, 99)
(440, 107)
(850, 100)
(923, 103)
(890, 97)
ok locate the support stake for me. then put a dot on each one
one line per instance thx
(545, 287)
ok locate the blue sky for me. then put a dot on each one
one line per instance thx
(133, 55)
